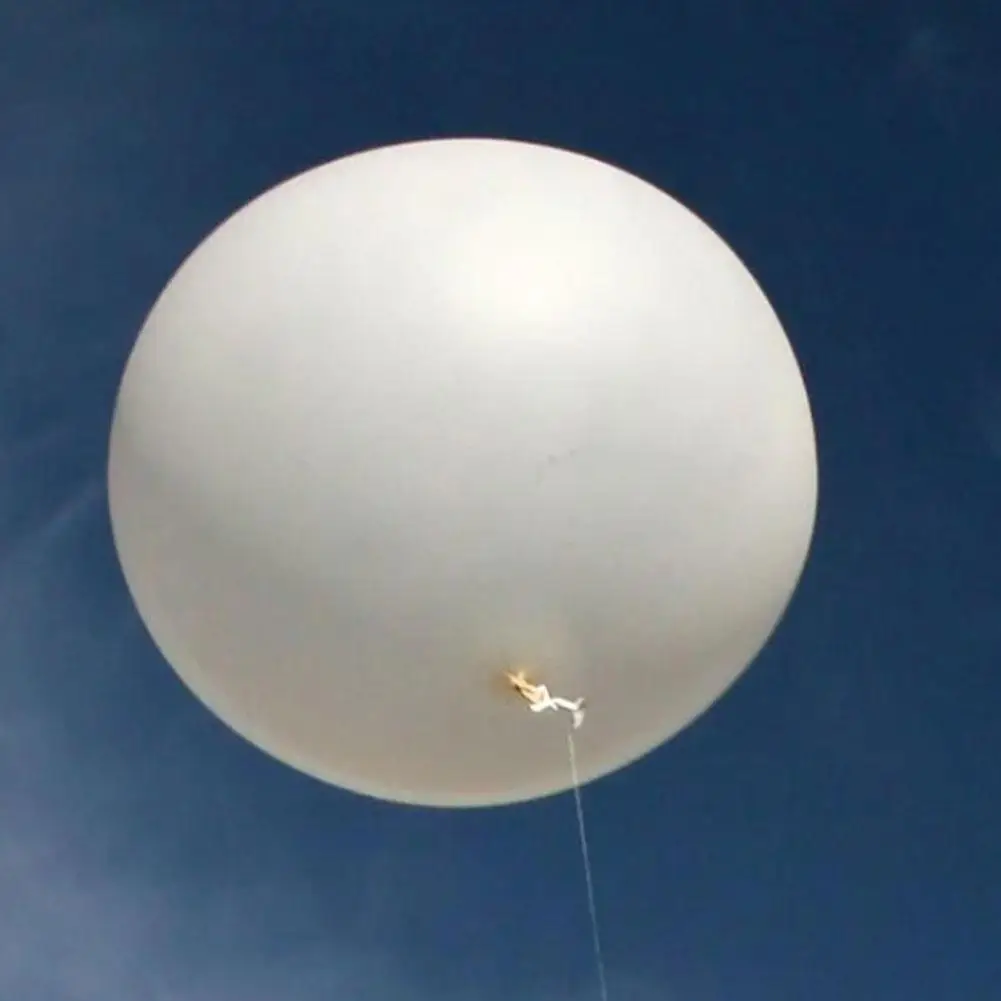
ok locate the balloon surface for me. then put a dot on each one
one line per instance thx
(439, 409)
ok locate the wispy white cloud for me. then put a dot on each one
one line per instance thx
(939, 64)
(987, 404)
(133, 866)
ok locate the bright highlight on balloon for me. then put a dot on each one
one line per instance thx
(434, 413)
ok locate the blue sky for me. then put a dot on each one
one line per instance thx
(829, 830)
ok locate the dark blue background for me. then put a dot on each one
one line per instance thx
(830, 830)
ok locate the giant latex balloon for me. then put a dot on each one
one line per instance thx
(437, 409)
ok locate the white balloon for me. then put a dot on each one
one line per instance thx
(439, 408)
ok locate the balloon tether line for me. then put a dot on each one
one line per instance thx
(588, 877)
(539, 700)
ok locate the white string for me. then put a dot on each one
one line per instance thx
(585, 852)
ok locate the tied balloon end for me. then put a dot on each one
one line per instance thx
(540, 699)
(520, 681)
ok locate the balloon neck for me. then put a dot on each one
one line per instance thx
(520, 681)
